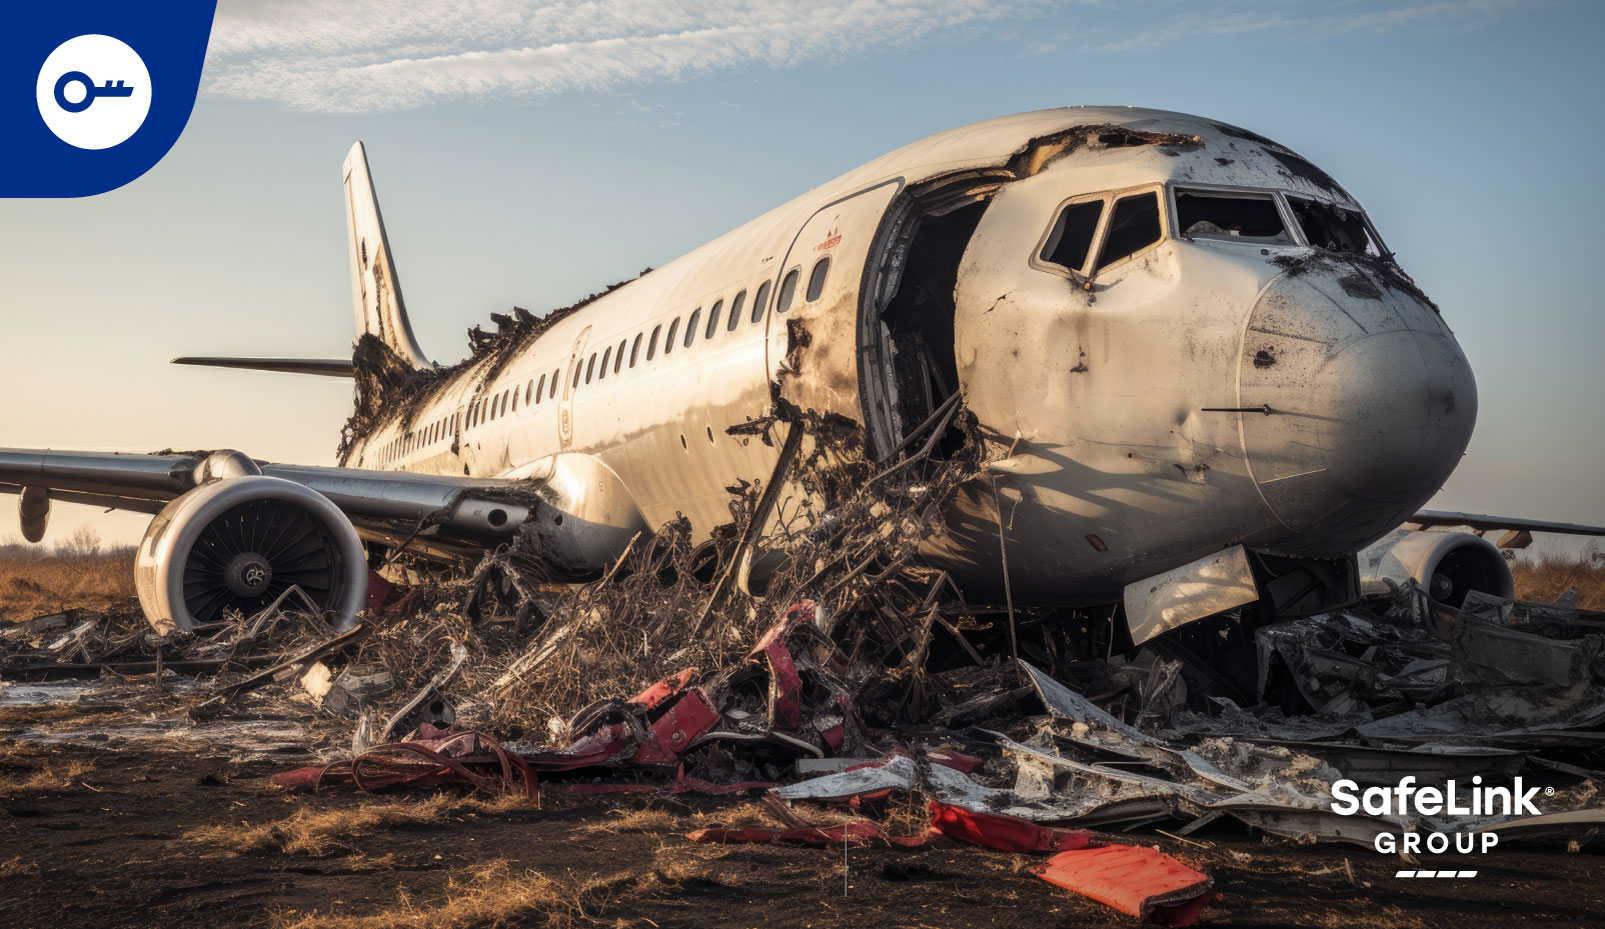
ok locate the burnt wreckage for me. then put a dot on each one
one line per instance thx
(1061, 468)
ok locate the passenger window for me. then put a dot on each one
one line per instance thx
(606, 357)
(515, 399)
(1242, 217)
(540, 388)
(635, 348)
(578, 370)
(788, 290)
(652, 346)
(555, 375)
(618, 358)
(1071, 239)
(589, 367)
(760, 303)
(668, 340)
(713, 319)
(691, 327)
(529, 392)
(1133, 226)
(816, 279)
(735, 311)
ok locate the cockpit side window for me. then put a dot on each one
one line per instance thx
(1133, 226)
(1071, 238)
(1332, 227)
(1232, 216)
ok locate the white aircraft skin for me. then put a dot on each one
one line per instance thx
(1203, 390)
(1104, 389)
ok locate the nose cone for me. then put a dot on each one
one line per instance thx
(1372, 402)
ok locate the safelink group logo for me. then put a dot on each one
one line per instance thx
(94, 93)
(67, 94)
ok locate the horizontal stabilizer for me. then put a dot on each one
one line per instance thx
(327, 367)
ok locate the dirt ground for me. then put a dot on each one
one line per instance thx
(132, 832)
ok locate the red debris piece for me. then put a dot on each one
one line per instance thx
(1134, 879)
(437, 757)
(673, 732)
(387, 601)
(859, 833)
(664, 689)
(598, 748)
(785, 684)
(1008, 833)
(958, 761)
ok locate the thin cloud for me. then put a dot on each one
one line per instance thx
(366, 55)
(1302, 20)
(377, 56)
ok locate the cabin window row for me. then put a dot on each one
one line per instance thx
(629, 352)
(438, 431)
(612, 358)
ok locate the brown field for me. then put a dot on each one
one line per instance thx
(35, 582)
(193, 840)
(1545, 577)
(118, 836)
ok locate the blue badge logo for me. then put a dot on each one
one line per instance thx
(66, 93)
(112, 87)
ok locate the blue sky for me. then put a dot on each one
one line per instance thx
(529, 154)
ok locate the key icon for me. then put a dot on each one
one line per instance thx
(90, 91)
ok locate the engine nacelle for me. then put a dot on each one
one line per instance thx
(239, 543)
(1447, 565)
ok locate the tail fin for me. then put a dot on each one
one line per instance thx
(375, 290)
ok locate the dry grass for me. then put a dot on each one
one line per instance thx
(492, 895)
(648, 820)
(35, 584)
(1547, 576)
(321, 832)
(17, 867)
(44, 780)
(661, 822)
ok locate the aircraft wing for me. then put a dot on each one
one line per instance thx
(1448, 518)
(326, 367)
(442, 515)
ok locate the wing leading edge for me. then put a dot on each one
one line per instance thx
(1475, 521)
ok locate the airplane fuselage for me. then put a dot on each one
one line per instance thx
(1130, 302)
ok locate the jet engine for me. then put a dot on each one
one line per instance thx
(1447, 565)
(241, 540)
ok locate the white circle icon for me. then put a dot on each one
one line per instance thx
(93, 92)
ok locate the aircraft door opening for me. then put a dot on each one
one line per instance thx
(910, 366)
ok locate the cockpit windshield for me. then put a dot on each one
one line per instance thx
(1332, 227)
(1244, 217)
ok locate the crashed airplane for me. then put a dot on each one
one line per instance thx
(1201, 379)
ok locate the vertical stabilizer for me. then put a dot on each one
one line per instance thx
(375, 290)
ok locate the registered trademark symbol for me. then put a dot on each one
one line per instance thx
(1549, 791)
